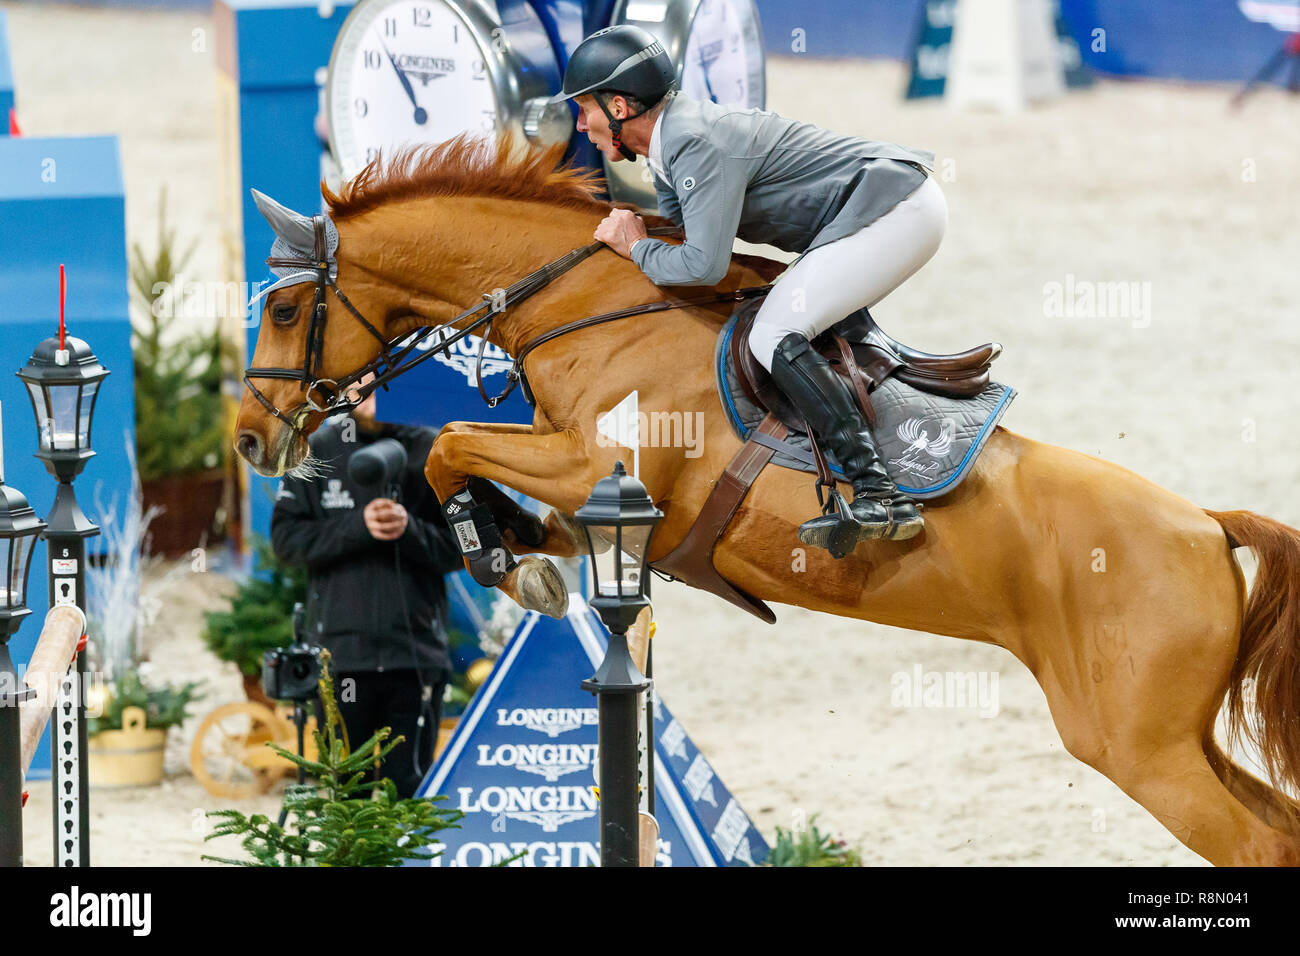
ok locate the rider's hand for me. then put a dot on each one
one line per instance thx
(619, 230)
(385, 519)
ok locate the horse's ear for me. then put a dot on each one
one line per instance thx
(294, 228)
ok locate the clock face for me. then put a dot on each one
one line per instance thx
(723, 60)
(405, 72)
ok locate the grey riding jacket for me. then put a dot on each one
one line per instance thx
(755, 175)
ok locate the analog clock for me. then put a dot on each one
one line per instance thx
(724, 54)
(718, 49)
(421, 71)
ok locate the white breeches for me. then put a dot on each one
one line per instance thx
(855, 272)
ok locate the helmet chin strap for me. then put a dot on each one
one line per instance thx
(616, 127)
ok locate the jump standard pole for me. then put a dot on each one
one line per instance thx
(618, 519)
(19, 528)
(63, 378)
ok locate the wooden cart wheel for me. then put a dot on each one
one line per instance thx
(230, 757)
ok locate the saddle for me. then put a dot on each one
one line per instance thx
(865, 362)
(859, 350)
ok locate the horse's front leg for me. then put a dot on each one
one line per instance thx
(522, 531)
(552, 468)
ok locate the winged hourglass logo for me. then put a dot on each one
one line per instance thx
(931, 437)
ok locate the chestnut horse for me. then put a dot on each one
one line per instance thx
(1124, 600)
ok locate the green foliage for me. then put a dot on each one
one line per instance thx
(261, 612)
(811, 847)
(179, 409)
(163, 707)
(335, 823)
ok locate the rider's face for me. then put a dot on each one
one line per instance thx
(593, 121)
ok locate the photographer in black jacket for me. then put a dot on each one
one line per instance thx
(376, 597)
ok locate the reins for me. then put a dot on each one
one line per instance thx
(334, 391)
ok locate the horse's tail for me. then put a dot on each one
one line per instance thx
(1269, 652)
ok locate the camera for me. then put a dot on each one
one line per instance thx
(293, 672)
(379, 465)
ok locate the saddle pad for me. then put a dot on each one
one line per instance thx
(929, 442)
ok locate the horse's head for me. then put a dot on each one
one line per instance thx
(307, 340)
(428, 234)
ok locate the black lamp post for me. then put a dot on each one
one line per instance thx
(619, 519)
(62, 379)
(19, 528)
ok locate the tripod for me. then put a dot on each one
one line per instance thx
(299, 721)
(1290, 51)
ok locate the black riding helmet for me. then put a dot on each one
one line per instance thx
(622, 60)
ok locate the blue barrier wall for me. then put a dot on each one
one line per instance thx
(61, 201)
(838, 28)
(279, 151)
(1202, 40)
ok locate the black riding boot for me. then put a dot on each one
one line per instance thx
(879, 509)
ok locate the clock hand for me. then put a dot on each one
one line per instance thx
(704, 68)
(421, 117)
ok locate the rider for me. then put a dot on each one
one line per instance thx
(864, 214)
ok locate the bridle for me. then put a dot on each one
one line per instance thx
(308, 376)
(391, 360)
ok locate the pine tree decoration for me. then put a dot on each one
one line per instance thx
(261, 612)
(180, 418)
(335, 824)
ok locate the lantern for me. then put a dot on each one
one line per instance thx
(62, 379)
(619, 519)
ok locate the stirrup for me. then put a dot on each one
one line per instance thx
(835, 530)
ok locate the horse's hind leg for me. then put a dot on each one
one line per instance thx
(1140, 715)
(1177, 785)
(1272, 806)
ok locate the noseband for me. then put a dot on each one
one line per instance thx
(393, 354)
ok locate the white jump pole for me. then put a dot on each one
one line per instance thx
(56, 648)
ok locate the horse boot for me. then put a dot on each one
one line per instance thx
(487, 558)
(878, 508)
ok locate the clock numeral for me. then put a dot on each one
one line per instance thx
(372, 59)
(361, 106)
(423, 16)
(740, 90)
(390, 26)
(479, 69)
(372, 153)
(455, 33)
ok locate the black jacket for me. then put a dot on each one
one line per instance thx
(355, 594)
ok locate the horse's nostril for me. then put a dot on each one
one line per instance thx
(249, 446)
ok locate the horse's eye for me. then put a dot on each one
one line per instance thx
(283, 314)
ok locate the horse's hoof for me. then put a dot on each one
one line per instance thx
(541, 588)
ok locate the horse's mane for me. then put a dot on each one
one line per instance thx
(469, 165)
